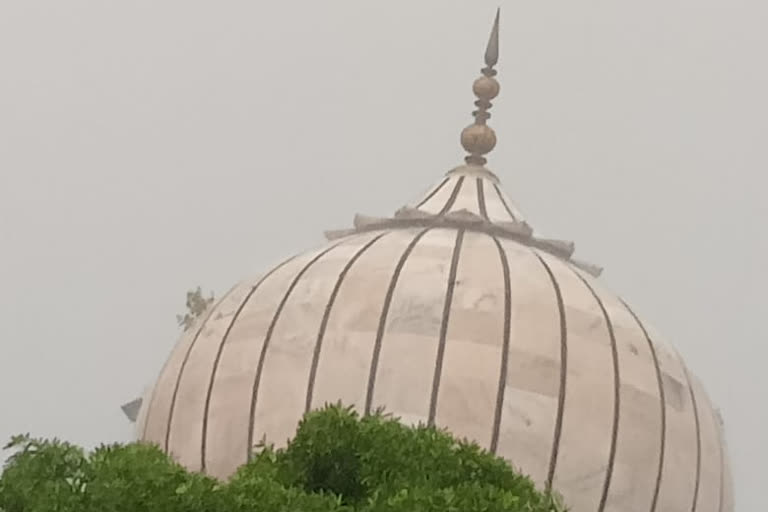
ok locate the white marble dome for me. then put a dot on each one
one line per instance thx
(450, 313)
(453, 313)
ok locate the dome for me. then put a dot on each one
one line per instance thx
(452, 313)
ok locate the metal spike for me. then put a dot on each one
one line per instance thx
(492, 50)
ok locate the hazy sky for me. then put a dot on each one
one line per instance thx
(149, 146)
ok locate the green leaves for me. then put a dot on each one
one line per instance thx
(42, 476)
(337, 462)
(376, 463)
(140, 477)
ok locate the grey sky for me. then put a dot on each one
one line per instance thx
(150, 146)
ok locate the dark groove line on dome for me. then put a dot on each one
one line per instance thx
(268, 338)
(220, 351)
(451, 200)
(176, 386)
(481, 199)
(444, 326)
(327, 315)
(383, 319)
(662, 401)
(151, 403)
(695, 406)
(504, 348)
(433, 193)
(563, 370)
(504, 202)
(616, 392)
(166, 364)
(721, 456)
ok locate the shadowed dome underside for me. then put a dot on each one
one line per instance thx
(492, 339)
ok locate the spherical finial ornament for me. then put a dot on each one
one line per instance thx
(478, 139)
(486, 88)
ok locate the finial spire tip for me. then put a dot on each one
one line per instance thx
(492, 50)
(478, 138)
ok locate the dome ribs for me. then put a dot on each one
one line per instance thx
(563, 370)
(481, 210)
(444, 325)
(721, 457)
(383, 318)
(150, 404)
(711, 481)
(174, 396)
(451, 200)
(493, 332)
(662, 401)
(481, 199)
(217, 359)
(616, 391)
(265, 345)
(434, 191)
(505, 346)
(500, 342)
(504, 202)
(697, 423)
(327, 314)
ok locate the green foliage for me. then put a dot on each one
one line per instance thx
(337, 462)
(376, 463)
(42, 475)
(141, 477)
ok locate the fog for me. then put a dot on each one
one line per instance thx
(149, 147)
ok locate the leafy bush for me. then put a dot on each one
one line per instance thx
(336, 462)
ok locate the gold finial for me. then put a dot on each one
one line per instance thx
(479, 139)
